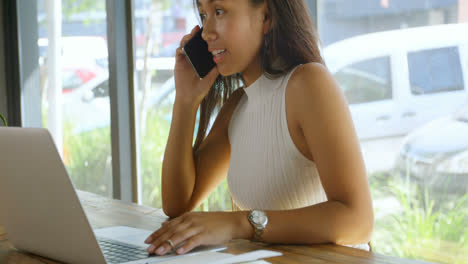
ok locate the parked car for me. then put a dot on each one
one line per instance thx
(79, 49)
(74, 76)
(396, 81)
(436, 155)
(88, 107)
(82, 57)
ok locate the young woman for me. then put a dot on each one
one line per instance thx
(285, 140)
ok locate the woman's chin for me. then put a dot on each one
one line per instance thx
(225, 72)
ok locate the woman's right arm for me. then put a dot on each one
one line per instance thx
(188, 178)
(178, 170)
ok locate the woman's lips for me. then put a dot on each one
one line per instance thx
(219, 57)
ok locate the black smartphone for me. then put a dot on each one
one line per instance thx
(196, 51)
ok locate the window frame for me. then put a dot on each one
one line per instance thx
(22, 75)
(21, 54)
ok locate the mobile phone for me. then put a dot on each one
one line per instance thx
(196, 51)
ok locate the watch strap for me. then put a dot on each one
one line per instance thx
(258, 234)
(258, 227)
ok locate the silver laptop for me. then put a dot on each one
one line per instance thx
(42, 214)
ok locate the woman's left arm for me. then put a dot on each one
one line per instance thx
(345, 218)
(325, 121)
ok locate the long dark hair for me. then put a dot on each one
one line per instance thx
(291, 41)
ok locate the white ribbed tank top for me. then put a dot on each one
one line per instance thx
(266, 170)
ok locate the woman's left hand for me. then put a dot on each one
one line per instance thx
(195, 229)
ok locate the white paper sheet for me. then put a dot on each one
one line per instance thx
(224, 258)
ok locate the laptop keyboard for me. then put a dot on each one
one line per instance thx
(118, 252)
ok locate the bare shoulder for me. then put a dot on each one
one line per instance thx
(312, 89)
(311, 79)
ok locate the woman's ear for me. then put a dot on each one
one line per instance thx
(266, 23)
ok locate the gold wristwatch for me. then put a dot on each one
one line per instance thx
(258, 219)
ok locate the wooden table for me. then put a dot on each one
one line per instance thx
(104, 212)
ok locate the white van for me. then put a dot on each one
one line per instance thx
(398, 80)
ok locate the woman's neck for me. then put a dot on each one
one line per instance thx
(252, 73)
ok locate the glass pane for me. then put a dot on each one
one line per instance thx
(417, 160)
(435, 71)
(158, 31)
(83, 103)
(366, 81)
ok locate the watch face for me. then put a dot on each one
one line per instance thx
(259, 217)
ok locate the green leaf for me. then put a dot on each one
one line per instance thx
(3, 119)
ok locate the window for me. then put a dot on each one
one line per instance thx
(157, 36)
(435, 71)
(417, 169)
(366, 81)
(82, 120)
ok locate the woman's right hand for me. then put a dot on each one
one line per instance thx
(189, 88)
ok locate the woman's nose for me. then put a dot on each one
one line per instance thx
(209, 31)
